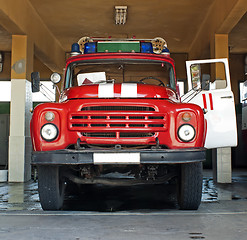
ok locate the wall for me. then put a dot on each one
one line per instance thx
(236, 72)
(5, 74)
(38, 66)
(45, 72)
(237, 75)
(180, 59)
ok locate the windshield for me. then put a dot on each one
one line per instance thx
(157, 73)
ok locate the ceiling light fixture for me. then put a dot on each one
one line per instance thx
(120, 14)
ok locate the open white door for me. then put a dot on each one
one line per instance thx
(214, 95)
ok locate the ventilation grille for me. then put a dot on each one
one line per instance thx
(121, 135)
(118, 108)
(118, 121)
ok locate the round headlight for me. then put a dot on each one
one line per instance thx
(55, 78)
(186, 133)
(49, 132)
(49, 116)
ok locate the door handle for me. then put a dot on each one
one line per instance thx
(227, 97)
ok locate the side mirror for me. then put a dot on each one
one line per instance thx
(244, 92)
(35, 81)
(195, 71)
(205, 81)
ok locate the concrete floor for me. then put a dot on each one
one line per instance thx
(127, 213)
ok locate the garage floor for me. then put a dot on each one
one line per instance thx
(127, 213)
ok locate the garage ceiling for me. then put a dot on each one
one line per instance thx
(238, 36)
(178, 21)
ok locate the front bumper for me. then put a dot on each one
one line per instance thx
(143, 156)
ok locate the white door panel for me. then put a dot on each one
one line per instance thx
(219, 107)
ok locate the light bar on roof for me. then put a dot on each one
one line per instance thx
(146, 47)
(91, 45)
(118, 46)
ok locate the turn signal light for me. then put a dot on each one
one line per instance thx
(186, 117)
(49, 116)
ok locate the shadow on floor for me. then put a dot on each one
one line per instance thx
(106, 198)
(24, 196)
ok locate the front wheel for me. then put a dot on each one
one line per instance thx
(190, 186)
(51, 186)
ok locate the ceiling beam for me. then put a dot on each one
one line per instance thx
(222, 16)
(20, 18)
(231, 20)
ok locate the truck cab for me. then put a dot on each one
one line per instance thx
(120, 111)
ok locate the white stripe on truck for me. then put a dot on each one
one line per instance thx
(129, 90)
(106, 90)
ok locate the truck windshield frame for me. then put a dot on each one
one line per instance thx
(122, 71)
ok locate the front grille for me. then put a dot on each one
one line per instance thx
(137, 125)
(79, 125)
(117, 125)
(136, 135)
(136, 117)
(122, 135)
(97, 117)
(117, 117)
(118, 108)
(100, 135)
(118, 121)
(79, 117)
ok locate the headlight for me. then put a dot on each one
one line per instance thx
(55, 78)
(49, 132)
(186, 133)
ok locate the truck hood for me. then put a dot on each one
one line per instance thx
(119, 90)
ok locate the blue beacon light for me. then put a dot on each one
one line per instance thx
(75, 49)
(166, 51)
(146, 47)
(90, 47)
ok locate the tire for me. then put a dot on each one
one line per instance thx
(51, 187)
(190, 186)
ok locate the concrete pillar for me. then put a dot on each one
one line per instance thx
(222, 156)
(222, 168)
(21, 103)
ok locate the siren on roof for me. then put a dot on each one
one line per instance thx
(75, 50)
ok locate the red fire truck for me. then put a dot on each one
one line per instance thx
(120, 111)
